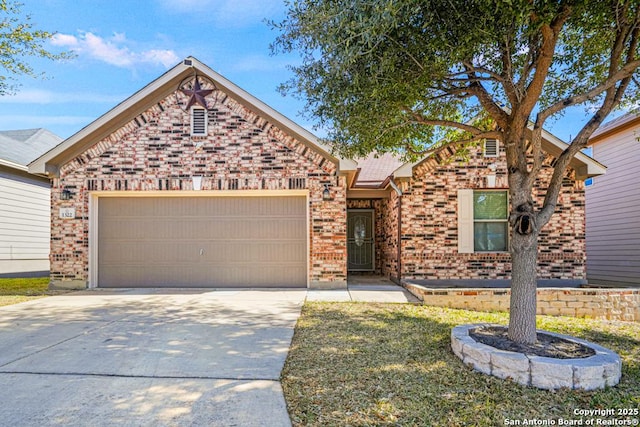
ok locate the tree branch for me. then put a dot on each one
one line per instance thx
(624, 72)
(473, 130)
(549, 33)
(486, 101)
(507, 71)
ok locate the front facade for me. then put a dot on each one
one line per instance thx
(613, 229)
(447, 223)
(193, 182)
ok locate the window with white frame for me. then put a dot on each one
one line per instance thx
(483, 221)
(198, 121)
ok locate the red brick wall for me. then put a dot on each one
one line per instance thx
(155, 152)
(429, 224)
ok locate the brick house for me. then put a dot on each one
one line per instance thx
(194, 182)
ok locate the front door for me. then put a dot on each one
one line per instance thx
(360, 244)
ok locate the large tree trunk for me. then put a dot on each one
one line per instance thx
(524, 259)
(522, 315)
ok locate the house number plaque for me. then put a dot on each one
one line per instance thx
(67, 213)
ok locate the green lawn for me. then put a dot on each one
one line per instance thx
(14, 291)
(391, 364)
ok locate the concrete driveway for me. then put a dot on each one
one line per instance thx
(147, 358)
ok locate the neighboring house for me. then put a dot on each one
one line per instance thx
(613, 200)
(194, 182)
(24, 203)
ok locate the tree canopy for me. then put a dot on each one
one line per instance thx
(19, 40)
(376, 72)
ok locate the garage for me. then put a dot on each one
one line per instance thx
(258, 241)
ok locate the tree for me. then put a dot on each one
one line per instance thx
(19, 40)
(406, 75)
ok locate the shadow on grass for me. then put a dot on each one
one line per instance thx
(364, 364)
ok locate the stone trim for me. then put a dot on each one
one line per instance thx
(600, 304)
(604, 369)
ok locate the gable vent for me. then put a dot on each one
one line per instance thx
(198, 121)
(490, 148)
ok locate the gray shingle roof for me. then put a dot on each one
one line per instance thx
(24, 146)
(619, 121)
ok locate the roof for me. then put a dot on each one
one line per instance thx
(50, 162)
(19, 147)
(632, 118)
(584, 165)
(374, 169)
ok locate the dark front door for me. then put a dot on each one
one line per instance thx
(360, 244)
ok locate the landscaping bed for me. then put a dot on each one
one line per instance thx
(392, 364)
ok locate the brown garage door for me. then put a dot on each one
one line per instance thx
(202, 242)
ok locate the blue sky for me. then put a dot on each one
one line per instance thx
(122, 45)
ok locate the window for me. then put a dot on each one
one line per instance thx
(490, 148)
(198, 121)
(490, 228)
(483, 221)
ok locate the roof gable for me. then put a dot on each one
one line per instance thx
(584, 165)
(166, 84)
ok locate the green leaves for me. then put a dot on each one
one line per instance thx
(369, 66)
(18, 41)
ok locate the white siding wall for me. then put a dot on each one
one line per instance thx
(613, 212)
(24, 223)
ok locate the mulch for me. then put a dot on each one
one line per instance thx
(546, 345)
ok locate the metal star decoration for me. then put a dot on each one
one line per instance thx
(196, 95)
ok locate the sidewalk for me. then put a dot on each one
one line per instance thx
(364, 289)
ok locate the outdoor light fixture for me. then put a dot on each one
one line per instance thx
(66, 194)
(326, 194)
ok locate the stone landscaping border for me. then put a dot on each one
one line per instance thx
(599, 371)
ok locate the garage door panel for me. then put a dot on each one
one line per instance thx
(226, 276)
(161, 252)
(204, 241)
(249, 228)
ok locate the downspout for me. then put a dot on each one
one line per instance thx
(399, 255)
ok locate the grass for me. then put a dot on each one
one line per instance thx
(391, 364)
(14, 291)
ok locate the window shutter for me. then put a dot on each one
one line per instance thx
(465, 221)
(491, 148)
(198, 122)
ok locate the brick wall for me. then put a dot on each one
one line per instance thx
(429, 223)
(242, 151)
(389, 262)
(603, 304)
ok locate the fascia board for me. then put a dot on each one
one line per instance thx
(13, 165)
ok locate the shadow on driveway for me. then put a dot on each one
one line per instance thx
(147, 357)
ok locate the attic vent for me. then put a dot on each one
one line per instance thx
(198, 121)
(490, 148)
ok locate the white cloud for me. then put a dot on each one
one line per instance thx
(35, 96)
(227, 13)
(114, 51)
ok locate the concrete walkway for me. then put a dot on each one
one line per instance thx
(147, 358)
(364, 289)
